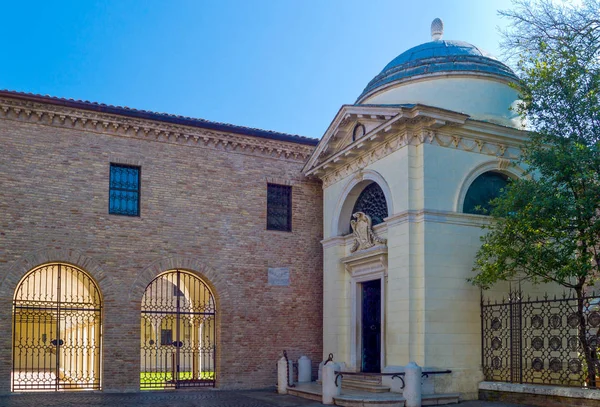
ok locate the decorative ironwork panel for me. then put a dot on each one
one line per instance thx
(486, 187)
(496, 342)
(279, 207)
(124, 195)
(545, 344)
(372, 202)
(57, 313)
(178, 333)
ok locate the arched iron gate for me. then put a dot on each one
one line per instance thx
(57, 313)
(178, 337)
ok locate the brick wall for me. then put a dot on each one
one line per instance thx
(203, 209)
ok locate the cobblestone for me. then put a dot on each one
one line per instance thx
(185, 398)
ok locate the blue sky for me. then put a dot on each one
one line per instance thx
(283, 65)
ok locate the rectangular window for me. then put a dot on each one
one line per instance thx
(124, 190)
(279, 207)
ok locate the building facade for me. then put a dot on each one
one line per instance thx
(149, 251)
(142, 250)
(426, 145)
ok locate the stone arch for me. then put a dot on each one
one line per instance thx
(349, 195)
(500, 166)
(214, 280)
(208, 276)
(29, 261)
(12, 276)
(57, 303)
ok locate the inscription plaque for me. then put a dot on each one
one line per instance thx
(279, 276)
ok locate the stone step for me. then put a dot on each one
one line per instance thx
(439, 399)
(306, 392)
(384, 400)
(368, 386)
(362, 378)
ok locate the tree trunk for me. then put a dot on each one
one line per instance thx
(590, 354)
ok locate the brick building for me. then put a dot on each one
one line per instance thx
(136, 248)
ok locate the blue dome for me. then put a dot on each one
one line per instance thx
(438, 58)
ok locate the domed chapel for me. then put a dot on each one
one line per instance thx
(423, 149)
(143, 250)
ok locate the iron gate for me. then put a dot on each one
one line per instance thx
(178, 338)
(540, 340)
(57, 313)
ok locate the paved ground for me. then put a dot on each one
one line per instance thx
(185, 398)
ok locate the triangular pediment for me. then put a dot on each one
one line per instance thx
(351, 124)
(356, 128)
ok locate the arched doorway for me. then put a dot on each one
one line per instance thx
(178, 333)
(57, 314)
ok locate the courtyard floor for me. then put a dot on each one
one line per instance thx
(185, 398)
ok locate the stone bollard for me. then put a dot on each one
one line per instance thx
(412, 390)
(330, 390)
(282, 375)
(320, 372)
(304, 370)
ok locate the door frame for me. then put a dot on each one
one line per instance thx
(364, 267)
(361, 288)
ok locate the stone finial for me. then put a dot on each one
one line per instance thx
(437, 29)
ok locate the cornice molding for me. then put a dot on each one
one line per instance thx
(145, 129)
(436, 216)
(506, 149)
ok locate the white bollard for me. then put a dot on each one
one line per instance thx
(320, 372)
(330, 390)
(412, 388)
(282, 376)
(304, 370)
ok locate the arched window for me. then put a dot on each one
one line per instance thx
(372, 202)
(486, 187)
(57, 312)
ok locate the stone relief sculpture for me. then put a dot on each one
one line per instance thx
(364, 237)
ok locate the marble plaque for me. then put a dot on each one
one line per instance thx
(279, 276)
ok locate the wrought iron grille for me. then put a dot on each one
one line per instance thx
(372, 202)
(57, 313)
(178, 333)
(538, 341)
(279, 207)
(124, 195)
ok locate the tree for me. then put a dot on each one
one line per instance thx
(546, 225)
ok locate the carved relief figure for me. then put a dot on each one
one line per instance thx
(362, 230)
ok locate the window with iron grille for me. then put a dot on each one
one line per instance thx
(124, 190)
(371, 201)
(485, 188)
(279, 207)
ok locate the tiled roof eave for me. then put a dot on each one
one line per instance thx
(160, 117)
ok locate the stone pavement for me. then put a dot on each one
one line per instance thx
(180, 398)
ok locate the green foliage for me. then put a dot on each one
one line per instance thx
(547, 225)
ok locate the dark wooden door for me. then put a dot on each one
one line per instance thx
(371, 326)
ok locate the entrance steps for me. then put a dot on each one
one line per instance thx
(371, 384)
(361, 398)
